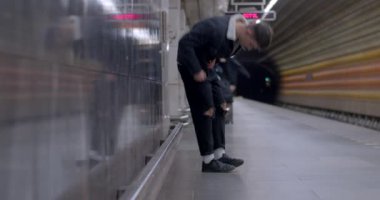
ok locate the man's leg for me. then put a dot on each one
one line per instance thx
(218, 128)
(218, 132)
(202, 111)
(199, 96)
(203, 129)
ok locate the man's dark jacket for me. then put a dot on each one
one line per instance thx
(206, 41)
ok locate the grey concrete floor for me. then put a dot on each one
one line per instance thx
(288, 155)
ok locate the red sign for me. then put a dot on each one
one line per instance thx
(270, 16)
(251, 15)
(129, 16)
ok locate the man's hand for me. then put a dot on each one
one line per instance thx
(211, 64)
(200, 76)
(232, 88)
(224, 107)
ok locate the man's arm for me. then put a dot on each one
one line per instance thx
(202, 36)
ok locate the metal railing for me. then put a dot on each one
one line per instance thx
(146, 185)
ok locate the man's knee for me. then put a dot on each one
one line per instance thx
(210, 112)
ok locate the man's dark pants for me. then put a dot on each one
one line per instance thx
(209, 130)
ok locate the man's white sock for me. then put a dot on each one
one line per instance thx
(208, 158)
(218, 153)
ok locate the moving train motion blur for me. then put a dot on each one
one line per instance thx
(90, 88)
(81, 83)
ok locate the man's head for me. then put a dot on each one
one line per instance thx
(256, 36)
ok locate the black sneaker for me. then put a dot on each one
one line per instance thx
(236, 162)
(216, 166)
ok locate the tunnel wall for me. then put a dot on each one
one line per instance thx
(329, 54)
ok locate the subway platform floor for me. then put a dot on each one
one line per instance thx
(288, 156)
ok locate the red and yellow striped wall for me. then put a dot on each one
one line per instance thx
(349, 83)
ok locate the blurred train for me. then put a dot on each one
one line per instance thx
(81, 85)
(71, 45)
(80, 95)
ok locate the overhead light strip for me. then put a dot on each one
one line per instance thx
(268, 8)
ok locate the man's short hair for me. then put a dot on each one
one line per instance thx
(263, 34)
